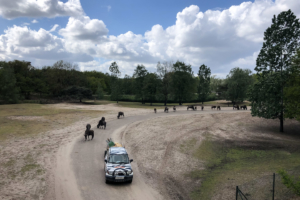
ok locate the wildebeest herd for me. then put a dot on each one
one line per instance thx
(166, 109)
(101, 124)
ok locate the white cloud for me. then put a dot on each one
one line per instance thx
(54, 28)
(42, 8)
(108, 8)
(26, 44)
(220, 39)
(34, 21)
(83, 28)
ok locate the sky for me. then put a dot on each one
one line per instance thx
(94, 33)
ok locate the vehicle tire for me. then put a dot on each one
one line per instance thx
(106, 181)
(130, 181)
(105, 153)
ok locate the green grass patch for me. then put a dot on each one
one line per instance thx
(230, 161)
(28, 167)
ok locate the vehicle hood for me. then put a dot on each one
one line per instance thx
(112, 167)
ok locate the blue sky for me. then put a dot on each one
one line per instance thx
(92, 33)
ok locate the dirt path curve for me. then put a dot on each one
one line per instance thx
(79, 173)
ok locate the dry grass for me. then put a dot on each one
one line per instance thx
(30, 119)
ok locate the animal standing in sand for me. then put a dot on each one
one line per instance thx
(213, 107)
(88, 132)
(236, 107)
(202, 107)
(166, 109)
(219, 108)
(154, 110)
(174, 109)
(121, 114)
(192, 107)
(102, 123)
(244, 107)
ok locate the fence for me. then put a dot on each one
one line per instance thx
(269, 187)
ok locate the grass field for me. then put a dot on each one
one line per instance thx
(228, 162)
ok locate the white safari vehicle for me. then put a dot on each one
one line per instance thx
(117, 165)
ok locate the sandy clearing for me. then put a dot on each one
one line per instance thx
(164, 146)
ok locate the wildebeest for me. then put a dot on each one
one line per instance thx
(213, 107)
(174, 108)
(120, 114)
(166, 109)
(155, 110)
(202, 107)
(192, 107)
(102, 123)
(244, 107)
(88, 132)
(236, 106)
(219, 108)
(195, 107)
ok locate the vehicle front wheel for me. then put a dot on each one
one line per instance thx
(130, 181)
(106, 181)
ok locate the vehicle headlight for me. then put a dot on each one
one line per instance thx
(109, 172)
(129, 171)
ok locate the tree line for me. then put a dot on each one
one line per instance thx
(172, 82)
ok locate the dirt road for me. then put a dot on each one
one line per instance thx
(79, 172)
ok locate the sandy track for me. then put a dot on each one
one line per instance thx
(87, 163)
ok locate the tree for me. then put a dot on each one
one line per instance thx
(150, 86)
(139, 74)
(8, 89)
(292, 90)
(77, 92)
(99, 92)
(204, 82)
(115, 82)
(182, 81)
(273, 66)
(238, 82)
(127, 85)
(164, 71)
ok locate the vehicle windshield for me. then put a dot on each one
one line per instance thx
(118, 158)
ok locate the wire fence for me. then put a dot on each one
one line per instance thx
(269, 187)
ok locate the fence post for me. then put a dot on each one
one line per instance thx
(236, 192)
(273, 186)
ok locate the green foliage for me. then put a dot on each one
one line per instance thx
(116, 89)
(292, 90)
(204, 83)
(76, 92)
(290, 181)
(150, 86)
(273, 67)
(139, 74)
(164, 71)
(99, 92)
(182, 82)
(127, 85)
(8, 91)
(238, 82)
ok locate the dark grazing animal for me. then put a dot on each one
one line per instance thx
(213, 107)
(174, 108)
(155, 110)
(192, 107)
(166, 109)
(244, 107)
(88, 126)
(236, 107)
(102, 123)
(88, 132)
(202, 107)
(219, 108)
(120, 114)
